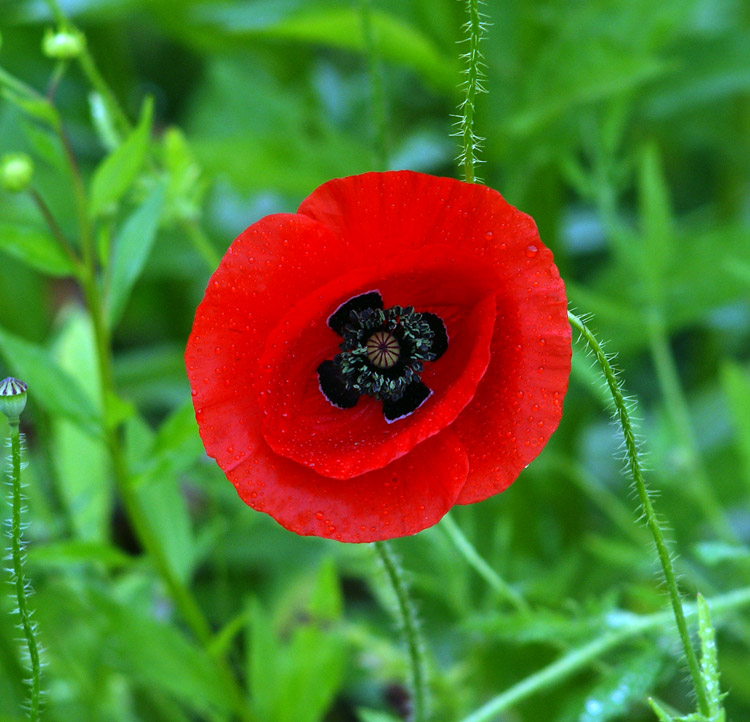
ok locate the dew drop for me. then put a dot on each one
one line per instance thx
(489, 235)
(531, 251)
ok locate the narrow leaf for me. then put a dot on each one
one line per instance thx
(131, 250)
(35, 248)
(118, 170)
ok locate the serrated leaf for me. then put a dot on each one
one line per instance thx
(51, 387)
(35, 248)
(623, 687)
(131, 250)
(119, 169)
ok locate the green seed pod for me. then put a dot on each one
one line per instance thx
(64, 44)
(12, 397)
(16, 171)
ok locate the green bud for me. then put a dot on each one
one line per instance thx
(12, 397)
(16, 170)
(64, 44)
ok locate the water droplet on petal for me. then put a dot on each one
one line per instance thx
(531, 251)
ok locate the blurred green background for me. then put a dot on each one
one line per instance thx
(622, 127)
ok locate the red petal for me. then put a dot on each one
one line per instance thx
(382, 214)
(245, 298)
(403, 498)
(301, 424)
(518, 403)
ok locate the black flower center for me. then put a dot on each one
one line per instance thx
(383, 353)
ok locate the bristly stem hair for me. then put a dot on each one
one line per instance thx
(634, 465)
(19, 581)
(474, 71)
(407, 619)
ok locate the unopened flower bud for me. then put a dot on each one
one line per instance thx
(64, 44)
(16, 170)
(12, 397)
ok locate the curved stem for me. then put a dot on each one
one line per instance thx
(636, 472)
(408, 621)
(480, 566)
(18, 576)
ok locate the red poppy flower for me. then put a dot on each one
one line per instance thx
(397, 346)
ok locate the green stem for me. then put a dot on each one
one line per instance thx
(381, 145)
(18, 575)
(631, 448)
(201, 243)
(572, 662)
(480, 566)
(408, 620)
(91, 71)
(54, 227)
(473, 86)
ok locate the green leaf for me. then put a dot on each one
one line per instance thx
(622, 688)
(656, 218)
(397, 40)
(35, 248)
(118, 170)
(709, 661)
(87, 496)
(735, 382)
(66, 553)
(659, 711)
(131, 250)
(158, 489)
(121, 637)
(713, 553)
(370, 715)
(49, 385)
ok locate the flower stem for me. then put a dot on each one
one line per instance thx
(578, 658)
(473, 558)
(470, 141)
(636, 472)
(407, 619)
(377, 93)
(18, 575)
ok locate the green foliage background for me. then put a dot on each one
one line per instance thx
(622, 127)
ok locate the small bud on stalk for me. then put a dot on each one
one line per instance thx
(12, 397)
(64, 44)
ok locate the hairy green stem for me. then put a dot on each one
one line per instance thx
(636, 472)
(480, 566)
(472, 86)
(577, 659)
(377, 92)
(408, 621)
(18, 575)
